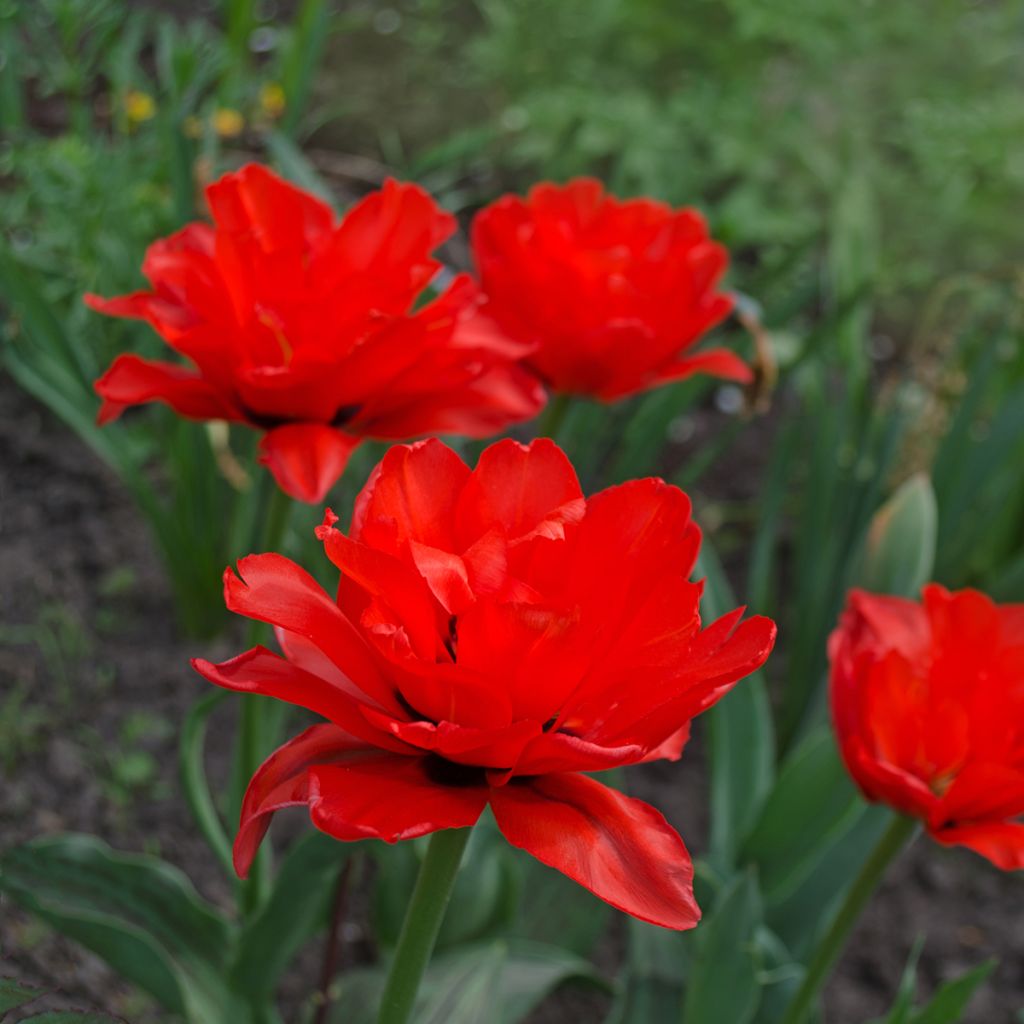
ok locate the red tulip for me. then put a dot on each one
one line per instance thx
(928, 703)
(612, 293)
(302, 326)
(495, 636)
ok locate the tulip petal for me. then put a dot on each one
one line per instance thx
(1001, 842)
(393, 798)
(282, 781)
(526, 490)
(272, 588)
(412, 497)
(306, 458)
(132, 380)
(261, 671)
(619, 848)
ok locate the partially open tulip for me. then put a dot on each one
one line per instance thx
(614, 294)
(928, 703)
(495, 637)
(303, 326)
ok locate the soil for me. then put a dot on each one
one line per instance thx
(94, 682)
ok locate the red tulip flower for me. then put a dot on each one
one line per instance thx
(302, 326)
(928, 703)
(613, 293)
(495, 636)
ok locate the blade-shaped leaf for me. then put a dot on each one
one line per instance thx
(948, 1004)
(13, 994)
(137, 912)
(899, 551)
(724, 983)
(741, 737)
(811, 805)
(651, 984)
(299, 905)
(495, 983)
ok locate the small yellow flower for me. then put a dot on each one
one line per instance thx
(272, 100)
(138, 106)
(228, 123)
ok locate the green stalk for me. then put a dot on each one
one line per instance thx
(552, 418)
(257, 713)
(894, 839)
(422, 923)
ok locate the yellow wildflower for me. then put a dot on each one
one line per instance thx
(228, 123)
(272, 100)
(138, 106)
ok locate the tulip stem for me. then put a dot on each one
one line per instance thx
(257, 718)
(422, 923)
(898, 835)
(552, 418)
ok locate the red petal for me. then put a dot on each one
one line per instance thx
(282, 781)
(263, 672)
(1001, 842)
(131, 380)
(488, 748)
(274, 589)
(306, 458)
(396, 583)
(524, 489)
(256, 203)
(716, 362)
(389, 798)
(983, 790)
(717, 659)
(619, 848)
(411, 497)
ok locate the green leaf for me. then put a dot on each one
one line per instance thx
(724, 983)
(552, 904)
(299, 905)
(485, 898)
(193, 777)
(651, 986)
(779, 974)
(495, 983)
(13, 994)
(741, 737)
(800, 918)
(949, 1003)
(899, 551)
(812, 804)
(137, 912)
(71, 1017)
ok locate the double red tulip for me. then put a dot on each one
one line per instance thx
(302, 326)
(928, 703)
(612, 293)
(495, 636)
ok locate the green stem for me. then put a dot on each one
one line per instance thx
(422, 923)
(255, 738)
(553, 417)
(895, 838)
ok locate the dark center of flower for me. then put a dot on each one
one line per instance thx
(448, 773)
(451, 641)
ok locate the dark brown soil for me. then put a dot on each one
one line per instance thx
(94, 682)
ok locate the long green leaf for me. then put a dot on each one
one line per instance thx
(13, 994)
(299, 905)
(495, 983)
(811, 806)
(724, 984)
(741, 737)
(899, 550)
(137, 912)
